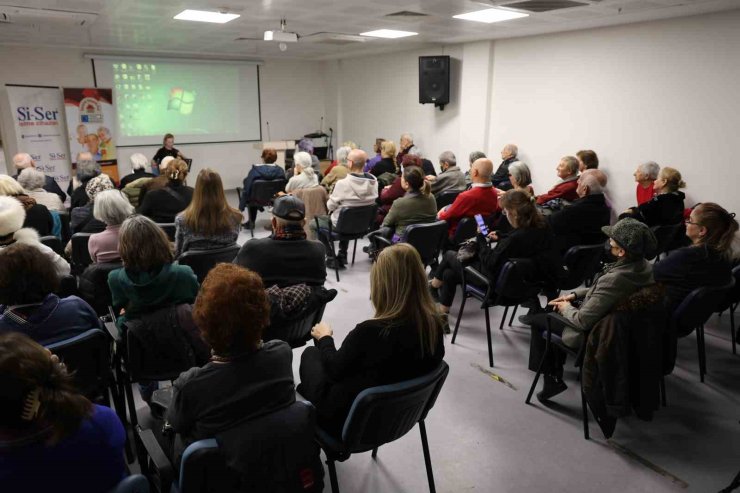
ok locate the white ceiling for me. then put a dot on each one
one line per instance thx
(147, 26)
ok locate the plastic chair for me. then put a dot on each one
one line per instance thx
(466, 229)
(730, 303)
(54, 243)
(262, 195)
(297, 330)
(353, 224)
(169, 229)
(80, 253)
(510, 289)
(446, 198)
(202, 261)
(136, 483)
(382, 414)
(581, 262)
(426, 238)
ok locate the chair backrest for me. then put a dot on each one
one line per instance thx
(136, 483)
(446, 198)
(296, 330)
(88, 356)
(665, 235)
(202, 261)
(697, 307)
(385, 413)
(169, 229)
(93, 285)
(66, 232)
(581, 263)
(356, 221)
(517, 282)
(315, 199)
(80, 253)
(427, 239)
(465, 230)
(264, 190)
(733, 295)
(54, 243)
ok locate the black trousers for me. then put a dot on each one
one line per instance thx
(324, 224)
(449, 272)
(553, 364)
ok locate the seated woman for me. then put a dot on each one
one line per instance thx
(37, 216)
(707, 262)
(520, 178)
(33, 181)
(140, 168)
(268, 170)
(404, 340)
(245, 377)
(305, 145)
(338, 172)
(164, 204)
(86, 169)
(666, 207)
(111, 208)
(387, 163)
(28, 303)
(645, 176)
(209, 221)
(390, 193)
(529, 236)
(565, 189)
(82, 219)
(630, 241)
(304, 175)
(51, 437)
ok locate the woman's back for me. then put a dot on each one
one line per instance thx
(413, 208)
(164, 204)
(689, 268)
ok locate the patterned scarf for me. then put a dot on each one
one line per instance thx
(289, 232)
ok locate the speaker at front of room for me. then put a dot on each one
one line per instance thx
(434, 80)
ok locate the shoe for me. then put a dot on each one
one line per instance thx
(332, 263)
(552, 387)
(525, 319)
(342, 258)
(366, 248)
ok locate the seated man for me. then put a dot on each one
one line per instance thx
(482, 198)
(287, 257)
(23, 160)
(451, 178)
(501, 177)
(581, 222)
(565, 189)
(266, 171)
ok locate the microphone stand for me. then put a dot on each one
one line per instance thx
(330, 147)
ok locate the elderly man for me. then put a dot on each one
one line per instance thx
(286, 257)
(482, 198)
(405, 146)
(139, 169)
(23, 160)
(565, 189)
(451, 178)
(645, 176)
(501, 177)
(32, 180)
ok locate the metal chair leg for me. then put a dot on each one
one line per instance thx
(584, 410)
(354, 252)
(459, 317)
(663, 399)
(701, 352)
(332, 475)
(513, 314)
(375, 452)
(427, 457)
(732, 331)
(488, 335)
(539, 367)
(503, 318)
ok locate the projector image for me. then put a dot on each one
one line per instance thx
(281, 36)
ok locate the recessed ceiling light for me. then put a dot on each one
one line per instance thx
(490, 15)
(205, 16)
(388, 33)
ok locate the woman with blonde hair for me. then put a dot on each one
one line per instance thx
(387, 163)
(209, 221)
(403, 340)
(164, 204)
(666, 207)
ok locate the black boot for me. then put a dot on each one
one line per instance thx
(552, 387)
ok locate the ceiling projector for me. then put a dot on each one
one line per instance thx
(281, 36)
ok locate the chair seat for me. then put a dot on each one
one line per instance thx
(558, 341)
(479, 293)
(331, 445)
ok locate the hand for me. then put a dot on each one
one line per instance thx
(430, 177)
(386, 187)
(560, 306)
(500, 192)
(55, 360)
(280, 194)
(493, 236)
(320, 330)
(567, 297)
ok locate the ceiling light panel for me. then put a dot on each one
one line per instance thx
(388, 34)
(490, 15)
(205, 16)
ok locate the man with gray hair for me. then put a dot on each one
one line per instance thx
(140, 169)
(405, 146)
(87, 169)
(32, 180)
(451, 178)
(501, 177)
(23, 160)
(645, 176)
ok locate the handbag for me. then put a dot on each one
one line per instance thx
(468, 250)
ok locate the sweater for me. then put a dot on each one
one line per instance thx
(645, 194)
(413, 208)
(663, 209)
(29, 236)
(49, 200)
(385, 165)
(103, 246)
(478, 200)
(164, 204)
(501, 175)
(353, 191)
(284, 262)
(187, 239)
(337, 173)
(450, 179)
(565, 189)
(306, 179)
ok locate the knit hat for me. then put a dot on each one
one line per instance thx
(98, 184)
(633, 236)
(289, 207)
(12, 215)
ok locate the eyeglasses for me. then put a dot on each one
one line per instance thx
(689, 221)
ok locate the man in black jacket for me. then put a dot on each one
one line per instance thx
(23, 160)
(501, 176)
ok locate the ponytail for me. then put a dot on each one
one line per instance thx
(414, 176)
(721, 227)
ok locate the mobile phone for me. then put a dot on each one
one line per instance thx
(481, 224)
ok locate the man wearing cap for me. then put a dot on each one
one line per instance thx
(630, 242)
(286, 257)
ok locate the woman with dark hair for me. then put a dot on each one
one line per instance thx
(403, 340)
(707, 261)
(209, 221)
(51, 437)
(390, 193)
(164, 204)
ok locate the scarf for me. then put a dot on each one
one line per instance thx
(289, 232)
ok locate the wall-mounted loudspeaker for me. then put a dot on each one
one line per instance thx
(434, 80)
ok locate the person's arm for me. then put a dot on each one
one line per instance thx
(674, 268)
(553, 193)
(602, 300)
(179, 236)
(342, 362)
(335, 200)
(177, 414)
(456, 211)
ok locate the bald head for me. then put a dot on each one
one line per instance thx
(356, 160)
(597, 174)
(84, 156)
(481, 170)
(22, 160)
(591, 181)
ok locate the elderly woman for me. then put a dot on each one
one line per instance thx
(387, 163)
(645, 176)
(112, 208)
(666, 207)
(140, 168)
(33, 181)
(339, 171)
(304, 175)
(164, 204)
(708, 261)
(81, 218)
(565, 189)
(630, 242)
(377, 147)
(52, 438)
(37, 216)
(520, 178)
(87, 169)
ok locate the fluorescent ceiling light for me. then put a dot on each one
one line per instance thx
(490, 15)
(205, 16)
(388, 33)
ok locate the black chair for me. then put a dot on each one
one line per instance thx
(262, 194)
(446, 198)
(730, 303)
(54, 243)
(66, 231)
(80, 253)
(466, 229)
(353, 224)
(202, 261)
(426, 238)
(510, 289)
(581, 262)
(694, 311)
(93, 286)
(136, 483)
(380, 415)
(666, 236)
(169, 229)
(296, 330)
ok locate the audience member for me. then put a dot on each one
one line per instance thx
(87, 169)
(392, 191)
(164, 204)
(666, 207)
(37, 216)
(630, 241)
(51, 437)
(645, 176)
(587, 159)
(405, 146)
(28, 303)
(402, 341)
(472, 157)
(426, 164)
(377, 147)
(209, 221)
(12, 217)
(350, 145)
(565, 189)
(287, 257)
(145, 185)
(82, 219)
(140, 168)
(268, 170)
(501, 177)
(111, 208)
(482, 198)
(304, 145)
(304, 175)
(338, 172)
(33, 180)
(23, 161)
(167, 150)
(451, 178)
(707, 261)
(520, 178)
(387, 162)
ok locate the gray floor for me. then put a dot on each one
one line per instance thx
(483, 437)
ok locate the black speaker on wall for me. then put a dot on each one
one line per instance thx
(434, 80)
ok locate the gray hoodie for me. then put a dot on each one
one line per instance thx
(355, 190)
